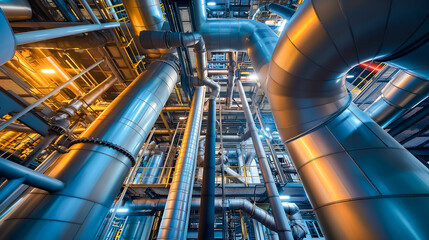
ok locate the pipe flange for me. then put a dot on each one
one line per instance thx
(107, 144)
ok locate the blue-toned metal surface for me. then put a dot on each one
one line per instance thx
(93, 173)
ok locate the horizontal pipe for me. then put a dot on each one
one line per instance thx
(11, 170)
(401, 94)
(231, 204)
(41, 35)
(176, 108)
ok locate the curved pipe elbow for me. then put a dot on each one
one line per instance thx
(305, 84)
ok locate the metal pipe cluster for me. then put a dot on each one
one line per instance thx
(96, 164)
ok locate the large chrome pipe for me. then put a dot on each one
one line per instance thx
(174, 223)
(401, 94)
(96, 164)
(283, 227)
(352, 170)
(153, 170)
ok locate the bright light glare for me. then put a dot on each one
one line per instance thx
(181, 118)
(253, 77)
(284, 197)
(50, 71)
(350, 76)
(211, 3)
(122, 210)
(267, 129)
(282, 25)
(260, 136)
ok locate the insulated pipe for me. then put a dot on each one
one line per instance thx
(16, 127)
(244, 205)
(242, 35)
(296, 222)
(174, 223)
(352, 170)
(234, 138)
(11, 171)
(166, 40)
(207, 213)
(284, 230)
(96, 164)
(146, 15)
(231, 75)
(401, 94)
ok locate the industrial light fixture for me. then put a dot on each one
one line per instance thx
(211, 3)
(49, 71)
(267, 129)
(181, 118)
(350, 76)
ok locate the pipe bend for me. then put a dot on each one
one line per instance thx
(306, 84)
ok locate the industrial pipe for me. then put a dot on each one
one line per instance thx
(11, 40)
(147, 15)
(283, 227)
(96, 164)
(11, 171)
(401, 94)
(174, 223)
(231, 76)
(296, 222)
(351, 169)
(230, 204)
(207, 213)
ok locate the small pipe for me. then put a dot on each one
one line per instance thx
(9, 186)
(41, 35)
(11, 170)
(16, 127)
(90, 12)
(273, 194)
(37, 151)
(35, 104)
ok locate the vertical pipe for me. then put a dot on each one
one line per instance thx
(176, 214)
(231, 75)
(153, 169)
(207, 213)
(284, 230)
(96, 165)
(90, 12)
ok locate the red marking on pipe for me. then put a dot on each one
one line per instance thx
(374, 67)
